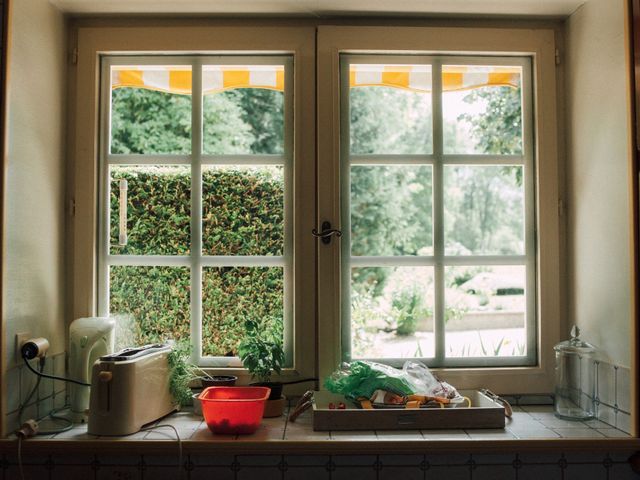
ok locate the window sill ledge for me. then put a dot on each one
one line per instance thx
(531, 429)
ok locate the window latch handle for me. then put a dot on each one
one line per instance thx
(326, 233)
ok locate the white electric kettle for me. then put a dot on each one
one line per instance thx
(89, 339)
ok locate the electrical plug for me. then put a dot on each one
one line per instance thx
(27, 429)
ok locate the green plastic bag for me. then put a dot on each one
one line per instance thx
(362, 378)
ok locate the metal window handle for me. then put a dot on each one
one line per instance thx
(326, 233)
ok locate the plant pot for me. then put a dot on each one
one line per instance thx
(197, 405)
(274, 408)
(276, 389)
(219, 381)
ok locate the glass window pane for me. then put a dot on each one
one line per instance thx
(390, 109)
(485, 311)
(158, 210)
(231, 295)
(243, 109)
(482, 109)
(152, 303)
(243, 210)
(151, 109)
(484, 210)
(391, 210)
(392, 312)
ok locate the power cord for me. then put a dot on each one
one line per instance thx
(178, 439)
(52, 377)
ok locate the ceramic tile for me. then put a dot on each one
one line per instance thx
(623, 422)
(355, 460)
(209, 473)
(538, 472)
(164, 472)
(354, 436)
(606, 383)
(259, 460)
(204, 434)
(27, 382)
(622, 472)
(623, 389)
(59, 368)
(394, 435)
(445, 435)
(307, 460)
(490, 434)
(607, 415)
(456, 472)
(13, 389)
(555, 422)
(264, 473)
(535, 433)
(492, 472)
(596, 424)
(578, 433)
(404, 473)
(46, 384)
(59, 400)
(306, 435)
(401, 460)
(587, 376)
(309, 473)
(76, 433)
(72, 472)
(169, 434)
(132, 472)
(613, 433)
(351, 473)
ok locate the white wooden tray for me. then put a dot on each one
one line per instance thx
(483, 413)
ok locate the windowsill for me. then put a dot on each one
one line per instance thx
(531, 428)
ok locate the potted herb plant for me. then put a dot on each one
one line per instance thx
(262, 354)
(183, 373)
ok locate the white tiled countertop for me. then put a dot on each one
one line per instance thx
(535, 422)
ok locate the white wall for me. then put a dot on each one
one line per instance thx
(33, 282)
(598, 191)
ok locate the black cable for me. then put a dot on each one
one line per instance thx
(53, 377)
(304, 380)
(33, 391)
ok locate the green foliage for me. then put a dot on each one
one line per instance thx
(408, 308)
(261, 349)
(157, 298)
(181, 373)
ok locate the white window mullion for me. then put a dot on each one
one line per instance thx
(196, 210)
(438, 212)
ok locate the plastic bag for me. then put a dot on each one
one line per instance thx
(426, 383)
(362, 378)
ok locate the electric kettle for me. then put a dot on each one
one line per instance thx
(89, 339)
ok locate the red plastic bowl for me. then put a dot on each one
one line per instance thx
(233, 410)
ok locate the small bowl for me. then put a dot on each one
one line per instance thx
(233, 410)
(219, 381)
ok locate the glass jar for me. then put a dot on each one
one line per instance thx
(575, 378)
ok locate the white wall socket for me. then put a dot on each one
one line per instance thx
(21, 339)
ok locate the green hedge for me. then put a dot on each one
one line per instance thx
(243, 214)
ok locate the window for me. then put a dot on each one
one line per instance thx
(438, 257)
(196, 232)
(402, 156)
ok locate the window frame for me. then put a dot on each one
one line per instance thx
(438, 159)
(540, 46)
(196, 261)
(297, 42)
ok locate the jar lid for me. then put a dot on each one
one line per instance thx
(574, 345)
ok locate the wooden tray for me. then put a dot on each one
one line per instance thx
(483, 413)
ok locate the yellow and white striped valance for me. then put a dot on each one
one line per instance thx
(217, 78)
(417, 78)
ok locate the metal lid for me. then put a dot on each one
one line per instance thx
(574, 345)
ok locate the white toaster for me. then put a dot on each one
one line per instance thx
(130, 389)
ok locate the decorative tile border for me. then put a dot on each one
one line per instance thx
(326, 467)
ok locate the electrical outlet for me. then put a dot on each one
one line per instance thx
(21, 339)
